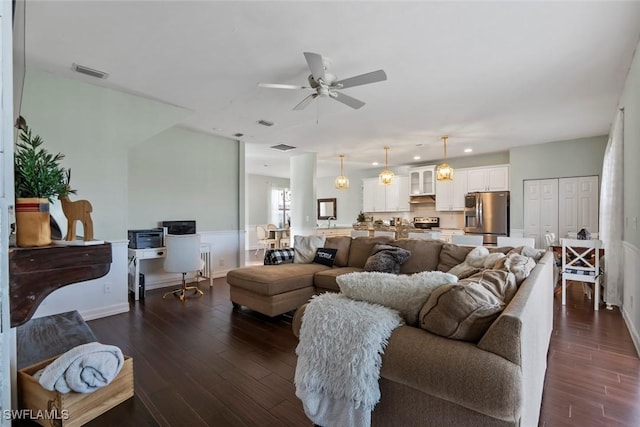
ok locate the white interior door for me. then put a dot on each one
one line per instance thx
(588, 201)
(578, 204)
(540, 209)
(567, 206)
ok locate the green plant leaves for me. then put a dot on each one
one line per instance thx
(37, 172)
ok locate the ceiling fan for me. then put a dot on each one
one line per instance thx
(327, 84)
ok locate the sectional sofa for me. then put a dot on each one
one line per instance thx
(428, 379)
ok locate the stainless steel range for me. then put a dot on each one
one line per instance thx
(426, 222)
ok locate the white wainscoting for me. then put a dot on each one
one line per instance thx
(92, 298)
(630, 310)
(224, 258)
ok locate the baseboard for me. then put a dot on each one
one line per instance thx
(105, 311)
(632, 330)
(631, 290)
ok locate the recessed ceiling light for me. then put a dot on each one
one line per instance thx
(265, 122)
(375, 163)
(238, 135)
(468, 150)
(419, 145)
(416, 157)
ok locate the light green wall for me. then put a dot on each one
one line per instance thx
(94, 127)
(180, 175)
(560, 159)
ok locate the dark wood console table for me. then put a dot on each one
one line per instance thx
(36, 272)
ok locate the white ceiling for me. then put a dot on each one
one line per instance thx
(491, 75)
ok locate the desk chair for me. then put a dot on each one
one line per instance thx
(183, 256)
(581, 263)
(434, 235)
(467, 240)
(264, 241)
(516, 241)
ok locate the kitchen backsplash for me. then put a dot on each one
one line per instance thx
(447, 219)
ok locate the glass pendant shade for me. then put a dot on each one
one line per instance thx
(342, 182)
(444, 172)
(386, 176)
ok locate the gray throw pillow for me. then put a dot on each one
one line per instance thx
(386, 259)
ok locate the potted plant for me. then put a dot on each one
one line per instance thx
(38, 179)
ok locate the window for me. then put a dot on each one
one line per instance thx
(280, 214)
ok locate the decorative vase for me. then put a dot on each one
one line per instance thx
(33, 226)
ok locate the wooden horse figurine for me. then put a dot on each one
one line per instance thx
(78, 210)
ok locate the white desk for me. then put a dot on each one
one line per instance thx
(138, 255)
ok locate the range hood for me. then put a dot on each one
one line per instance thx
(422, 199)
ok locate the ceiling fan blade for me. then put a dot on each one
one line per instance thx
(282, 86)
(362, 79)
(314, 61)
(306, 101)
(347, 100)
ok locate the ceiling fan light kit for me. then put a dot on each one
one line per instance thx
(342, 182)
(326, 84)
(444, 172)
(386, 176)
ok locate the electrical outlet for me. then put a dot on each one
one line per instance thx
(107, 288)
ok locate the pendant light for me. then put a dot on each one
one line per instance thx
(386, 176)
(342, 182)
(444, 172)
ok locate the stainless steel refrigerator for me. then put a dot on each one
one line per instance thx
(487, 213)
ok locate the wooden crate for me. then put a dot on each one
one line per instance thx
(73, 409)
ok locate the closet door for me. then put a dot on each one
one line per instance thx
(540, 209)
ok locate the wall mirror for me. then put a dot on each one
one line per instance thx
(327, 208)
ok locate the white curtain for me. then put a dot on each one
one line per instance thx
(612, 211)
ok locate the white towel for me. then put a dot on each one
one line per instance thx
(82, 369)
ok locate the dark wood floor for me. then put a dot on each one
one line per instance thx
(201, 363)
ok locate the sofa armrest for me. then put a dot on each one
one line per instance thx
(455, 371)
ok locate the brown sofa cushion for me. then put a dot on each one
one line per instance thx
(274, 279)
(342, 244)
(425, 254)
(451, 255)
(326, 279)
(361, 249)
(462, 311)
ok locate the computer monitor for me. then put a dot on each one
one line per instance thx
(180, 227)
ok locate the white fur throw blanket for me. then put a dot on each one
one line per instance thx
(82, 369)
(339, 358)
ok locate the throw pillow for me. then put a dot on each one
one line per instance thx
(386, 259)
(325, 256)
(501, 283)
(452, 255)
(305, 248)
(405, 293)
(460, 311)
(519, 265)
(278, 256)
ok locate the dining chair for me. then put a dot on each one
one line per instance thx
(549, 240)
(467, 240)
(516, 241)
(359, 233)
(183, 256)
(264, 241)
(434, 235)
(581, 263)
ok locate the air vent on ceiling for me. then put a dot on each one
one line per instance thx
(89, 71)
(283, 147)
(238, 135)
(265, 123)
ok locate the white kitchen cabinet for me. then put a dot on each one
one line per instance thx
(385, 198)
(495, 178)
(446, 233)
(422, 181)
(450, 194)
